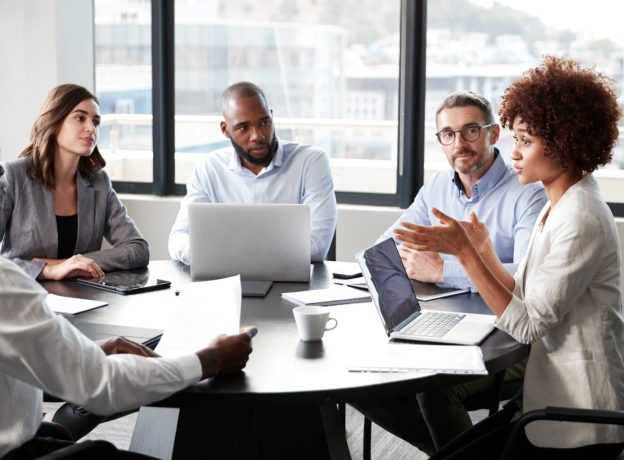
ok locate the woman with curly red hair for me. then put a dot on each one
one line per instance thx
(565, 299)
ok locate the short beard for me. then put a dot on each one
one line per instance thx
(245, 155)
(480, 161)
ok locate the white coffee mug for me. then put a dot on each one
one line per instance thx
(312, 322)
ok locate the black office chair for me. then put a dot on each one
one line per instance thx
(490, 400)
(93, 450)
(563, 414)
(331, 254)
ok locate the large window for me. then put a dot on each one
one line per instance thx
(346, 75)
(123, 81)
(487, 44)
(330, 69)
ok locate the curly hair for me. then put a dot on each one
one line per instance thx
(59, 103)
(574, 110)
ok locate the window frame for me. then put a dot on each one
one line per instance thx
(410, 163)
(411, 117)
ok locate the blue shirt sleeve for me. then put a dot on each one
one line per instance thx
(318, 194)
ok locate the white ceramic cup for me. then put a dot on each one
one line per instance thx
(312, 322)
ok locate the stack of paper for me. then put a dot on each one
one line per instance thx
(205, 310)
(335, 295)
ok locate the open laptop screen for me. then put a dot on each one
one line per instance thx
(388, 283)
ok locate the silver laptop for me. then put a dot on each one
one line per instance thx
(258, 241)
(400, 311)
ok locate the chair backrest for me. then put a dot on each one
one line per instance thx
(93, 450)
(331, 254)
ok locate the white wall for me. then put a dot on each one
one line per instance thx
(358, 226)
(42, 43)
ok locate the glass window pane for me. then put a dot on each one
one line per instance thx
(123, 81)
(329, 68)
(483, 45)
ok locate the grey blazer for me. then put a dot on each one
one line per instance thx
(28, 223)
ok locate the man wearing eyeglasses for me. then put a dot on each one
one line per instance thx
(479, 181)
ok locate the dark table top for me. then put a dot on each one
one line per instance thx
(282, 369)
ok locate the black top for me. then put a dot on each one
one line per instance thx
(67, 227)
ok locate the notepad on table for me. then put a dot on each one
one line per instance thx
(426, 359)
(72, 305)
(335, 295)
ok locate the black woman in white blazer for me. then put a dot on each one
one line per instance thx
(565, 299)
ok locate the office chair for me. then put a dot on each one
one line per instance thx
(490, 400)
(563, 414)
(331, 254)
(93, 450)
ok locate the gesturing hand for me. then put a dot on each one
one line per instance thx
(448, 238)
(477, 232)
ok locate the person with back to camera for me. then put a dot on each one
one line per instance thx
(259, 168)
(60, 203)
(111, 376)
(565, 299)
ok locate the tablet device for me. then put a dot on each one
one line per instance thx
(126, 282)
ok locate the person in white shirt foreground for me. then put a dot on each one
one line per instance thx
(115, 376)
(259, 168)
(565, 299)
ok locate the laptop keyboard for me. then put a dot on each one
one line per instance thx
(432, 324)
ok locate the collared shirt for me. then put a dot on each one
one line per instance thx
(297, 174)
(42, 351)
(508, 208)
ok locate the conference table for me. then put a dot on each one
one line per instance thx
(285, 402)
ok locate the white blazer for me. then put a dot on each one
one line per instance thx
(567, 304)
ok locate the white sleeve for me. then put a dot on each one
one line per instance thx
(45, 351)
(179, 240)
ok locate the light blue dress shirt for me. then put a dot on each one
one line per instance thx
(297, 174)
(508, 208)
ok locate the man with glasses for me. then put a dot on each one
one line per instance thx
(479, 181)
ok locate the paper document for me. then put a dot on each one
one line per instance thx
(428, 359)
(204, 310)
(71, 305)
(335, 295)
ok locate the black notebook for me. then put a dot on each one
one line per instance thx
(126, 282)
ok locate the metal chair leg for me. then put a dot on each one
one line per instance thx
(342, 411)
(366, 444)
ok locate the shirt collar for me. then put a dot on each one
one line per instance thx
(488, 181)
(278, 159)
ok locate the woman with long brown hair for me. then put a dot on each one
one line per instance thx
(60, 203)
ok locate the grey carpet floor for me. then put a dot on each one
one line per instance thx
(385, 446)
